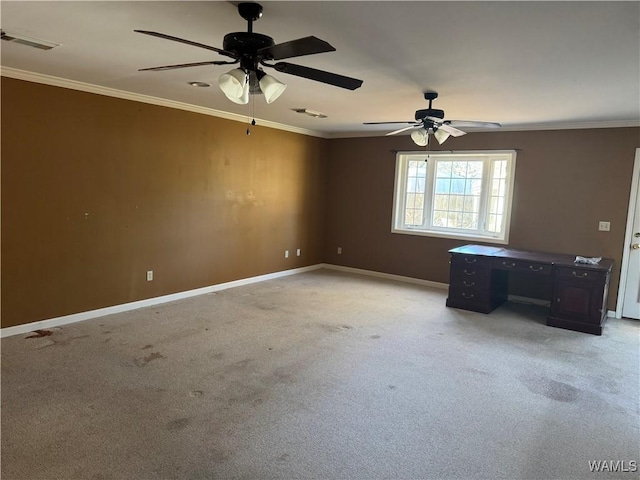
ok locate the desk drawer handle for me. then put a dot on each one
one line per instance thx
(470, 260)
(468, 284)
(467, 295)
(509, 264)
(536, 269)
(580, 275)
(472, 272)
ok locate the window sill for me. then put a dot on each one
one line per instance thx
(453, 236)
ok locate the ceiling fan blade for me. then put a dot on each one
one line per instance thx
(296, 48)
(188, 42)
(451, 130)
(472, 124)
(385, 123)
(317, 75)
(182, 65)
(404, 129)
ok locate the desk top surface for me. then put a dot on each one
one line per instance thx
(530, 255)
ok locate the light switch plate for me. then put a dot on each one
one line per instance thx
(604, 226)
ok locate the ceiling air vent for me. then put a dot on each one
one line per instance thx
(311, 113)
(31, 42)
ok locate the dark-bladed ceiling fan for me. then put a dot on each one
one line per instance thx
(431, 121)
(252, 51)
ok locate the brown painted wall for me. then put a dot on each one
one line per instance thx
(566, 181)
(98, 190)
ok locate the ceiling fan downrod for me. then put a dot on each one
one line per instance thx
(251, 12)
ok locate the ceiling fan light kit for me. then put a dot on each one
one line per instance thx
(431, 120)
(252, 51)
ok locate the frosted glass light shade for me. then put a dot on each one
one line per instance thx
(420, 137)
(441, 136)
(244, 98)
(271, 88)
(233, 83)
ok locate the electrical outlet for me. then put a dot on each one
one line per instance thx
(604, 226)
(149, 275)
(339, 250)
(286, 254)
(298, 252)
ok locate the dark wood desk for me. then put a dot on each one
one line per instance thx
(479, 282)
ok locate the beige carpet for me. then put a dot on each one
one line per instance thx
(324, 375)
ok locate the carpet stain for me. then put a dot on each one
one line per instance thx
(281, 375)
(40, 333)
(146, 347)
(559, 391)
(247, 396)
(335, 328)
(284, 457)
(375, 337)
(266, 306)
(178, 424)
(241, 365)
(141, 362)
(218, 456)
(480, 372)
(196, 393)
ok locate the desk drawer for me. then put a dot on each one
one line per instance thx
(460, 260)
(522, 266)
(469, 295)
(470, 283)
(581, 274)
(469, 276)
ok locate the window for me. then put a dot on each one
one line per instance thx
(463, 195)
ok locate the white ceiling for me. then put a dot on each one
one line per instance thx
(524, 64)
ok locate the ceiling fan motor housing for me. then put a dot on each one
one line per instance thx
(429, 112)
(245, 43)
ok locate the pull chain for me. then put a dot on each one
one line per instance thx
(253, 114)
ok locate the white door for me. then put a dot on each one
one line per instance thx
(631, 299)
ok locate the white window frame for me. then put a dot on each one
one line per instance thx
(427, 228)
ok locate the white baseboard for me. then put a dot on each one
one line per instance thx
(125, 307)
(388, 276)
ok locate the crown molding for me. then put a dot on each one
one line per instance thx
(137, 97)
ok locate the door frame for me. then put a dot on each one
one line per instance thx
(622, 284)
